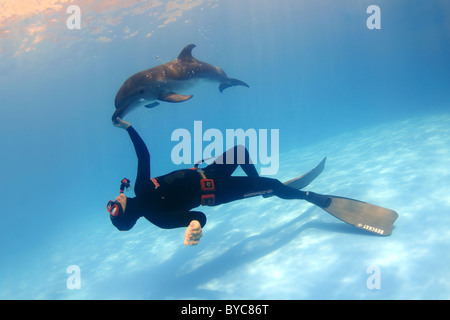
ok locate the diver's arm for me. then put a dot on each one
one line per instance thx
(143, 172)
(143, 165)
(193, 221)
(177, 219)
(142, 153)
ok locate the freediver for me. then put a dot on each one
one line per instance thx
(167, 201)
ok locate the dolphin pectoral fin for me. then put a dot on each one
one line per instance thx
(173, 97)
(152, 105)
(231, 83)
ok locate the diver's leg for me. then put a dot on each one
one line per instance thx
(236, 188)
(226, 163)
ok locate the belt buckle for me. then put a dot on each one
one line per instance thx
(208, 199)
(207, 185)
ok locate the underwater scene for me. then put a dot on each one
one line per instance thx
(364, 84)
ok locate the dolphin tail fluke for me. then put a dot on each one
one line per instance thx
(231, 83)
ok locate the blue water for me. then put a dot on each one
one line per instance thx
(375, 102)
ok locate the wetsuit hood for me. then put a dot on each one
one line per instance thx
(132, 207)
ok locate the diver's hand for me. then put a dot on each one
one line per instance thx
(119, 123)
(193, 233)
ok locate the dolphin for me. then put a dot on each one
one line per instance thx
(164, 82)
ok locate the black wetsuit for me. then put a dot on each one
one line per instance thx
(167, 201)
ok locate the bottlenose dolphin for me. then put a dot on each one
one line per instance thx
(164, 82)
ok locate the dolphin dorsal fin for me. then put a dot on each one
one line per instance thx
(186, 53)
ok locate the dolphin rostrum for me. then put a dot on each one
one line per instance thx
(163, 83)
